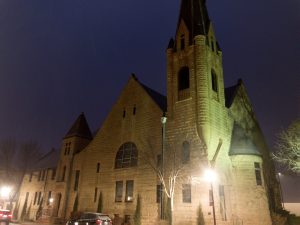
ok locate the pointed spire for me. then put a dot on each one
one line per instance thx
(194, 14)
(80, 128)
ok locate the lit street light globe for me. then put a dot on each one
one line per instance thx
(210, 175)
(5, 192)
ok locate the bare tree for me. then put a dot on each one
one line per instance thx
(169, 169)
(8, 149)
(17, 162)
(288, 147)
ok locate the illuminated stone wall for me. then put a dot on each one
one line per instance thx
(143, 129)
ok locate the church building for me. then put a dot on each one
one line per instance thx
(196, 154)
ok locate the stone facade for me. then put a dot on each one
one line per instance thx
(208, 126)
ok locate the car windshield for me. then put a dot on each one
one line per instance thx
(5, 212)
(104, 217)
(88, 216)
(91, 216)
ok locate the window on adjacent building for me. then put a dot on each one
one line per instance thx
(183, 83)
(127, 219)
(258, 173)
(124, 113)
(39, 198)
(40, 175)
(63, 174)
(182, 42)
(98, 167)
(134, 110)
(127, 156)
(67, 148)
(186, 193)
(214, 81)
(35, 198)
(53, 174)
(185, 154)
(49, 197)
(27, 196)
(211, 198)
(119, 191)
(95, 194)
(77, 174)
(129, 191)
(30, 176)
(158, 193)
(222, 202)
(184, 79)
(43, 175)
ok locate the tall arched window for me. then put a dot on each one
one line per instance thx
(185, 154)
(127, 156)
(214, 81)
(183, 83)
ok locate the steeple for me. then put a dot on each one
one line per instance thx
(195, 16)
(80, 128)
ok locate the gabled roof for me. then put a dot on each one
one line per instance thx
(158, 98)
(241, 143)
(80, 128)
(194, 14)
(47, 161)
(231, 92)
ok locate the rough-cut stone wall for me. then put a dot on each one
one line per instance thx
(143, 129)
(251, 199)
(33, 186)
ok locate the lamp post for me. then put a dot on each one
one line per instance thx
(280, 189)
(210, 176)
(163, 121)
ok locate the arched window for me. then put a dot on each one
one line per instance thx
(185, 154)
(127, 156)
(182, 42)
(183, 83)
(184, 78)
(214, 81)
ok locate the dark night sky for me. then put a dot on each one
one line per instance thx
(61, 57)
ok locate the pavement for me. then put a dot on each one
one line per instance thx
(24, 223)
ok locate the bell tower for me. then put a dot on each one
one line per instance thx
(195, 86)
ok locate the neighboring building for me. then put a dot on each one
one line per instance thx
(207, 125)
(291, 194)
(38, 188)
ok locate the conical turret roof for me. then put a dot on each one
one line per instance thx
(80, 128)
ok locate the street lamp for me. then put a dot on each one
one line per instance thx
(280, 189)
(5, 192)
(163, 122)
(211, 176)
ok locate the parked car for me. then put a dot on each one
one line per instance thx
(91, 218)
(5, 216)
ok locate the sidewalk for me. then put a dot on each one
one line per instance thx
(29, 223)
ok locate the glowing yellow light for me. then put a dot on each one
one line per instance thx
(5, 192)
(210, 175)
